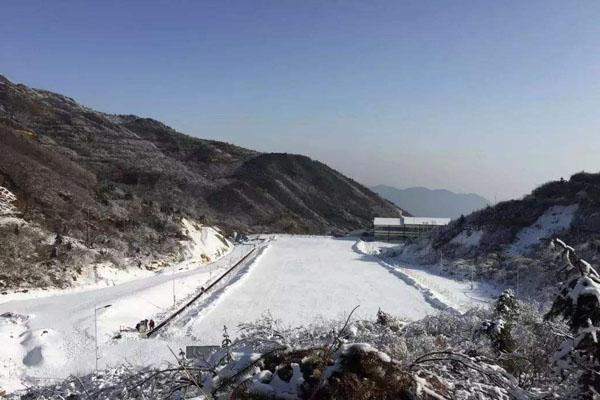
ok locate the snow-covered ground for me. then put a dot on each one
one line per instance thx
(468, 238)
(203, 245)
(555, 220)
(441, 291)
(298, 280)
(46, 335)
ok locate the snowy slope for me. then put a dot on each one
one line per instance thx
(296, 279)
(299, 280)
(202, 245)
(553, 221)
(441, 291)
(53, 336)
(468, 238)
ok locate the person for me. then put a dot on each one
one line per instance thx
(137, 327)
(143, 326)
(151, 324)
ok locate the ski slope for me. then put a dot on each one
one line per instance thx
(297, 279)
(52, 337)
(300, 280)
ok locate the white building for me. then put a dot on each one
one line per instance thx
(405, 227)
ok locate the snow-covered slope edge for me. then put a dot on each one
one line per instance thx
(99, 267)
(508, 243)
(194, 316)
(442, 292)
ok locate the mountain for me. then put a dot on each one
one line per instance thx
(509, 243)
(423, 202)
(123, 182)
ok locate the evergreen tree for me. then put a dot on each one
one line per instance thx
(578, 302)
(226, 343)
(500, 329)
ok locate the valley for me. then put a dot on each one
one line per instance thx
(295, 280)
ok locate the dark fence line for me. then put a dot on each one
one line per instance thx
(176, 313)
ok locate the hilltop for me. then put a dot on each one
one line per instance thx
(509, 243)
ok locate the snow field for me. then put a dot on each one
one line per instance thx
(297, 280)
(47, 337)
(441, 292)
(301, 280)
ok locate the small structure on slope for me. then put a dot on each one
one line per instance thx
(404, 228)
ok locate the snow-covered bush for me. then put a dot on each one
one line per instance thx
(500, 328)
(385, 358)
(6, 202)
(579, 304)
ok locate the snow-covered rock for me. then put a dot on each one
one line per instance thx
(555, 220)
(467, 238)
(206, 243)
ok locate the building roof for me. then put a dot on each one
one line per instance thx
(426, 221)
(387, 221)
(378, 221)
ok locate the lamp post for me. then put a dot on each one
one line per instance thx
(96, 309)
(173, 283)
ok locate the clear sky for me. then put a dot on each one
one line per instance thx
(493, 97)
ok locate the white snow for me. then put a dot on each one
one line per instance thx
(6, 200)
(555, 220)
(53, 335)
(204, 245)
(300, 280)
(374, 248)
(297, 279)
(442, 292)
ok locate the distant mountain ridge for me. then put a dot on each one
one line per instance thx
(424, 202)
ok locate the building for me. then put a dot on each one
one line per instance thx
(404, 228)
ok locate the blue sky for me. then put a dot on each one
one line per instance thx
(473, 96)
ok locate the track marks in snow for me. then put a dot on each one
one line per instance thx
(302, 280)
(429, 295)
(197, 311)
(443, 293)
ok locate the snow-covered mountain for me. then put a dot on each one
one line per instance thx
(508, 243)
(123, 183)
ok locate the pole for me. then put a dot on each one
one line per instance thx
(87, 228)
(96, 334)
(173, 280)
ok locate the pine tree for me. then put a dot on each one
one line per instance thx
(226, 343)
(507, 306)
(578, 302)
(500, 329)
